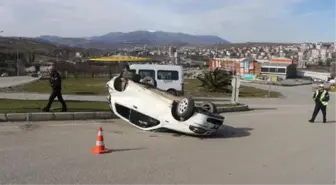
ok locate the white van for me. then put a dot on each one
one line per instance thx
(168, 77)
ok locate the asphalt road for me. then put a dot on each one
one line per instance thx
(274, 144)
(298, 95)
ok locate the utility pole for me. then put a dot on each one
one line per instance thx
(17, 58)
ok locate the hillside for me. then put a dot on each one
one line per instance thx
(118, 39)
(10, 47)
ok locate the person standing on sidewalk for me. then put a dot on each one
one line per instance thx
(56, 85)
(321, 97)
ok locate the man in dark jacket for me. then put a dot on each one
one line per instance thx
(56, 85)
(321, 97)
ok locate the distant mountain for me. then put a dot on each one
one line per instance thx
(115, 39)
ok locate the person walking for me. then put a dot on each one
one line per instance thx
(56, 85)
(321, 97)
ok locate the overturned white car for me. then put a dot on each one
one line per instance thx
(150, 109)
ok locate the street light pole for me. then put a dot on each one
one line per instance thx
(17, 62)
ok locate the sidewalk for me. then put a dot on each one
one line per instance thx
(12, 81)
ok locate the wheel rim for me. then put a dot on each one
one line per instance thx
(206, 107)
(183, 105)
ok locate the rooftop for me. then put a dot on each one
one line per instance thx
(275, 64)
(120, 59)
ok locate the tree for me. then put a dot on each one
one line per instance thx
(216, 81)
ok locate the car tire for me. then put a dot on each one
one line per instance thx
(172, 92)
(117, 84)
(209, 107)
(185, 108)
(149, 81)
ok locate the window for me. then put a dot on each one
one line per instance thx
(133, 70)
(168, 75)
(272, 70)
(144, 73)
(281, 70)
(264, 69)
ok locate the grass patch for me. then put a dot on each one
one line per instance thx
(23, 106)
(96, 86)
(193, 88)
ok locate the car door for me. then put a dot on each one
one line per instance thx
(141, 113)
(169, 79)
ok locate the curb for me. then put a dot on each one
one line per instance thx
(63, 116)
(212, 99)
(280, 84)
(55, 116)
(239, 108)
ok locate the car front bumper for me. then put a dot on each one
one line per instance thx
(201, 124)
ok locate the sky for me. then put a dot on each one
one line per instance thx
(233, 20)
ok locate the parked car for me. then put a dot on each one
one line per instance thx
(167, 77)
(148, 108)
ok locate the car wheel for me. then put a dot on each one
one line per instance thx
(172, 92)
(209, 107)
(149, 81)
(118, 84)
(185, 108)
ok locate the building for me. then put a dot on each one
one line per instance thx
(240, 67)
(251, 69)
(282, 60)
(283, 70)
(282, 67)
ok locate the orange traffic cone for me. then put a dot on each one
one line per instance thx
(100, 147)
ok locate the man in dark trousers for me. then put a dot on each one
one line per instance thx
(56, 85)
(321, 97)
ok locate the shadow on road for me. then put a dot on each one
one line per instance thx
(326, 122)
(29, 127)
(125, 149)
(230, 132)
(224, 132)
